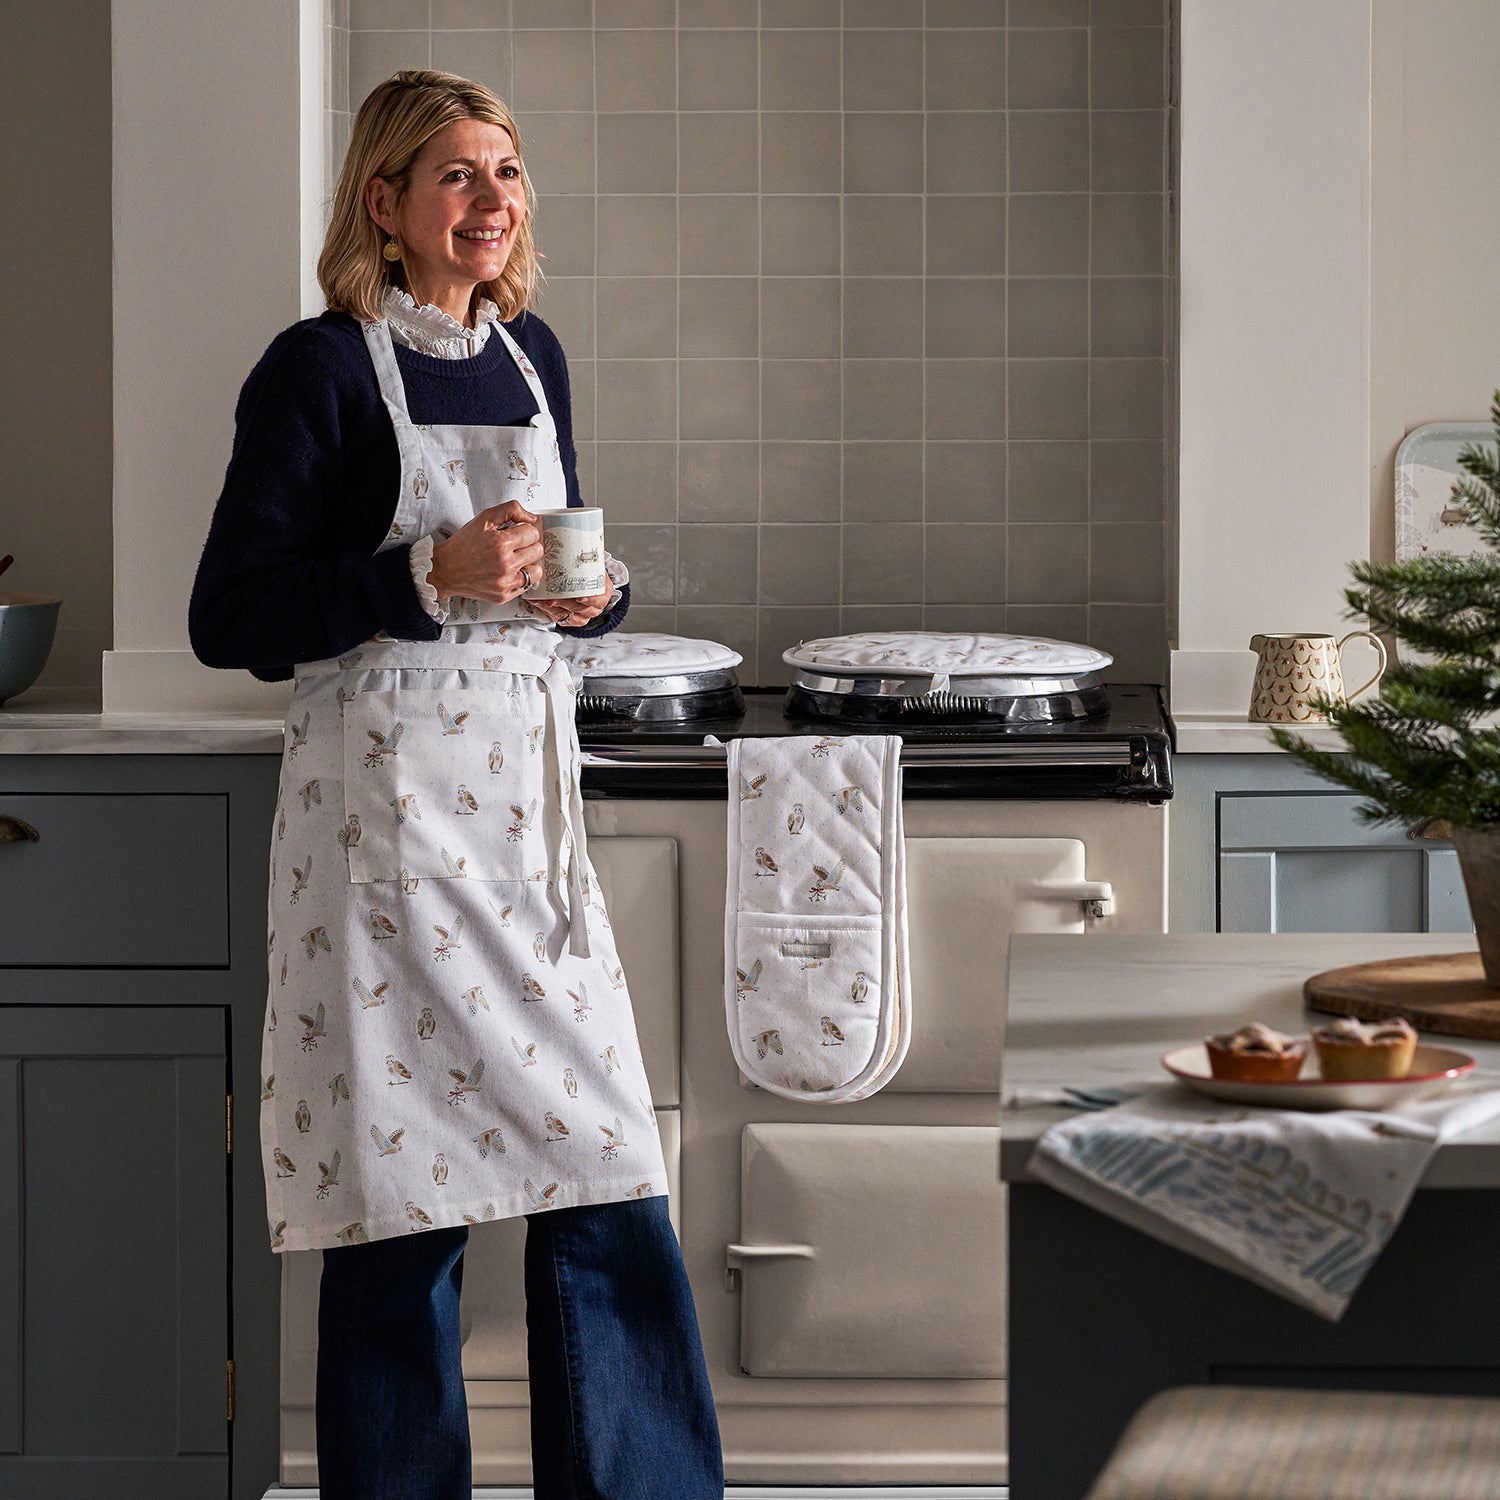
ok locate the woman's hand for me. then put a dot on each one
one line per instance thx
(484, 557)
(572, 611)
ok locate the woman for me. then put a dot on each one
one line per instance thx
(449, 1038)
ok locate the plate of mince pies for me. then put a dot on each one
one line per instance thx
(1345, 1064)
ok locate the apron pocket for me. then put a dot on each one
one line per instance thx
(807, 1008)
(445, 783)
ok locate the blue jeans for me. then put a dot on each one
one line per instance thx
(621, 1407)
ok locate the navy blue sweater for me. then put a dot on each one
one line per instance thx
(290, 571)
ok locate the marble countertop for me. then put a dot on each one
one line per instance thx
(1205, 734)
(1102, 1008)
(70, 721)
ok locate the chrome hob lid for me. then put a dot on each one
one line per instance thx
(648, 676)
(890, 676)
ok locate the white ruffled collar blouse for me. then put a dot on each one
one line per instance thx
(429, 330)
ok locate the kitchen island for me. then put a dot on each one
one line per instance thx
(1102, 1316)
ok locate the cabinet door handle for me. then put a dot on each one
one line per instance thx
(17, 831)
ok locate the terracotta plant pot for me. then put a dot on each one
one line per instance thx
(1479, 859)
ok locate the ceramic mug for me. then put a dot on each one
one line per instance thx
(1293, 666)
(572, 554)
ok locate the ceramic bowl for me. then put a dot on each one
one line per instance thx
(28, 623)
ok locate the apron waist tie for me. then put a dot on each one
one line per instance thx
(561, 743)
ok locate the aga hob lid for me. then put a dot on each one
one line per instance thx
(885, 675)
(647, 675)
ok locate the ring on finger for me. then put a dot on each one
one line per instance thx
(525, 579)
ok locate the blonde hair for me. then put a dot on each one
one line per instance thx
(396, 120)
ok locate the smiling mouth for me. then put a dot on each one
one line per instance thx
(480, 236)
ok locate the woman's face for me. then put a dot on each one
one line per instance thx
(460, 215)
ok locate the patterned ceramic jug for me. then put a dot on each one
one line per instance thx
(1292, 668)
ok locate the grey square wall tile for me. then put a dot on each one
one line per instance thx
(719, 236)
(781, 629)
(731, 625)
(566, 304)
(388, 15)
(1048, 70)
(1048, 316)
(1048, 481)
(637, 317)
(637, 398)
(965, 618)
(565, 235)
(883, 153)
(582, 381)
(658, 617)
(1127, 563)
(1049, 151)
(882, 13)
(1128, 150)
(638, 235)
(553, 70)
(635, 70)
(1048, 398)
(966, 398)
(882, 562)
(718, 70)
(882, 481)
(718, 153)
(462, 14)
(375, 55)
(965, 70)
(1049, 12)
(883, 398)
(944, 13)
(588, 485)
(1125, 398)
(720, 398)
(965, 236)
(1047, 564)
(1127, 316)
(965, 563)
(718, 481)
(1127, 68)
(719, 317)
(1128, 12)
(559, 151)
(881, 617)
(1127, 479)
(1129, 234)
(799, 564)
(483, 56)
(527, 14)
(815, 13)
(800, 317)
(799, 398)
(799, 481)
(799, 70)
(799, 235)
(716, 564)
(966, 152)
(637, 481)
(1049, 234)
(883, 236)
(619, 14)
(965, 317)
(1058, 622)
(883, 69)
(800, 152)
(965, 482)
(693, 13)
(883, 316)
(638, 153)
(650, 552)
(1135, 635)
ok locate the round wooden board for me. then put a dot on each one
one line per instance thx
(1441, 992)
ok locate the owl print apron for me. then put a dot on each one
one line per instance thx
(449, 1036)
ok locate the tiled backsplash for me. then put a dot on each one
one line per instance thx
(867, 303)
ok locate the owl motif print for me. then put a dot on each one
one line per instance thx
(449, 1037)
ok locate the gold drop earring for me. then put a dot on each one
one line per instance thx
(392, 250)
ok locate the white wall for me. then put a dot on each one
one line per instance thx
(207, 269)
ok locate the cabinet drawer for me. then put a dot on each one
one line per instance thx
(116, 880)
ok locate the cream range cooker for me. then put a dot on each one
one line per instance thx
(847, 1261)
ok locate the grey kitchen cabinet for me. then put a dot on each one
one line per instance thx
(1261, 845)
(139, 1286)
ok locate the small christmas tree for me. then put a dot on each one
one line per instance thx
(1416, 751)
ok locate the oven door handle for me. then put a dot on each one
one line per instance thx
(733, 1253)
(1096, 896)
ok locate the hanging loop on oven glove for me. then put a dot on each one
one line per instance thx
(817, 983)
